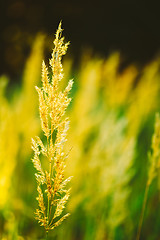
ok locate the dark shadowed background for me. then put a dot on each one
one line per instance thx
(129, 26)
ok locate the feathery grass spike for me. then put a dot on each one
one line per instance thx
(52, 194)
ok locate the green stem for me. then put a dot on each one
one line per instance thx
(46, 235)
(142, 213)
(48, 207)
(48, 210)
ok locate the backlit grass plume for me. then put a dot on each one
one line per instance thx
(52, 193)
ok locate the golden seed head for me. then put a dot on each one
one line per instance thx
(52, 108)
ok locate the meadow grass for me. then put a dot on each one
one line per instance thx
(111, 127)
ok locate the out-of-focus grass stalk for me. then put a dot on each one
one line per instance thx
(154, 158)
(9, 144)
(25, 101)
(146, 91)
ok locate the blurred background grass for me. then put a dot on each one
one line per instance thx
(115, 97)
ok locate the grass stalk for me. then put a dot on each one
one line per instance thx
(52, 106)
(142, 212)
(46, 235)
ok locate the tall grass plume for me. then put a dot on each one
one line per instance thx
(51, 183)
